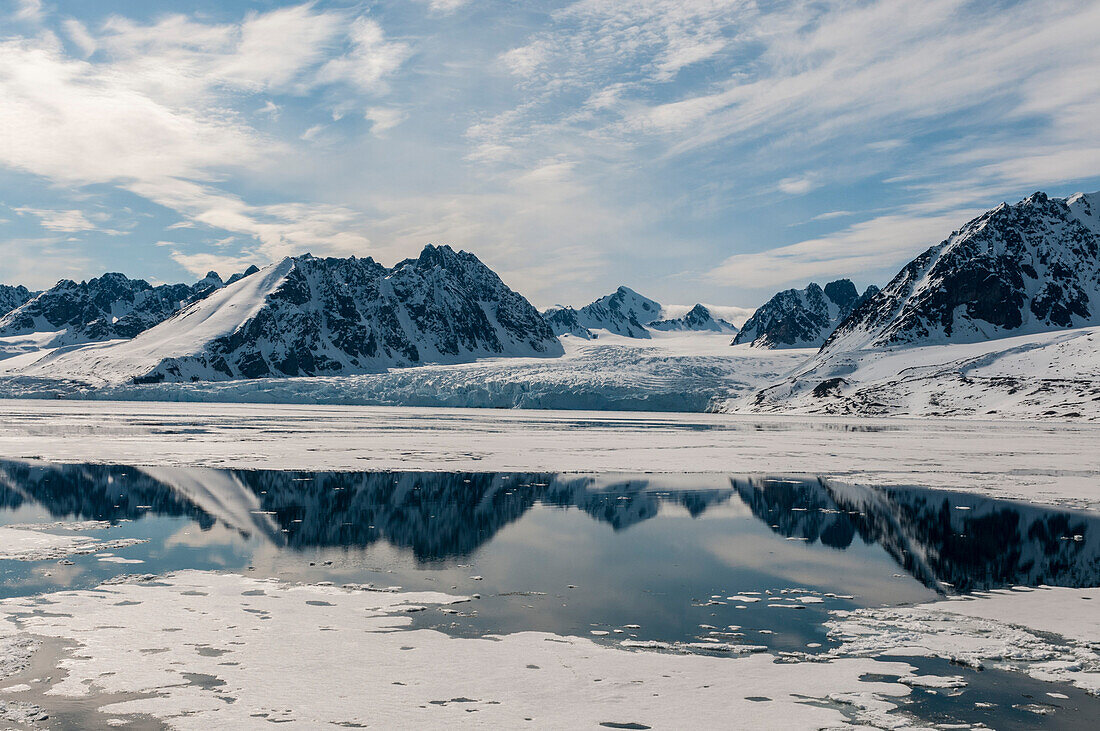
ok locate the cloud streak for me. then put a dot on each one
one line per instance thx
(149, 116)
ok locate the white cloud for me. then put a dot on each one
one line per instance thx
(829, 215)
(820, 79)
(525, 60)
(446, 7)
(311, 134)
(177, 58)
(369, 61)
(80, 123)
(384, 118)
(39, 263)
(270, 109)
(798, 185)
(153, 115)
(283, 229)
(28, 10)
(881, 243)
(200, 264)
(80, 36)
(59, 220)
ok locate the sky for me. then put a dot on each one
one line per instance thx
(694, 150)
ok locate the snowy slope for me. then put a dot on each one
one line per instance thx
(1051, 374)
(999, 319)
(184, 336)
(310, 316)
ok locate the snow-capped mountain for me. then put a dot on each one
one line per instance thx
(623, 312)
(102, 308)
(1017, 269)
(999, 319)
(801, 318)
(311, 316)
(564, 320)
(697, 319)
(12, 297)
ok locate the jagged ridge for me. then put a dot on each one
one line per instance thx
(1017, 269)
(623, 312)
(800, 318)
(311, 316)
(108, 307)
(697, 319)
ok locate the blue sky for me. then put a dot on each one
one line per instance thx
(696, 150)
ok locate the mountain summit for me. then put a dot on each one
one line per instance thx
(698, 318)
(13, 296)
(801, 318)
(623, 312)
(999, 318)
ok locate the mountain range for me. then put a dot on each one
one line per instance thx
(625, 312)
(103, 308)
(311, 316)
(1001, 317)
(996, 318)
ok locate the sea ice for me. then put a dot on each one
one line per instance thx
(349, 657)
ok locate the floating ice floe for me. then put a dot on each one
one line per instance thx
(23, 544)
(1049, 633)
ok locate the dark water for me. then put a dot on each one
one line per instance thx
(683, 558)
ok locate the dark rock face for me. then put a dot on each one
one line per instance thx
(241, 275)
(991, 544)
(698, 318)
(566, 321)
(800, 318)
(1024, 268)
(432, 515)
(103, 308)
(623, 312)
(336, 316)
(12, 297)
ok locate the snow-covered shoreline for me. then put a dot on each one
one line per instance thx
(1050, 462)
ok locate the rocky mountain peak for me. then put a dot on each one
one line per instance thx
(14, 296)
(698, 318)
(801, 318)
(107, 307)
(1016, 269)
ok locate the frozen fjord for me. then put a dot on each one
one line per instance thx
(1049, 462)
(484, 559)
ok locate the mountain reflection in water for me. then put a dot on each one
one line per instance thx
(947, 541)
